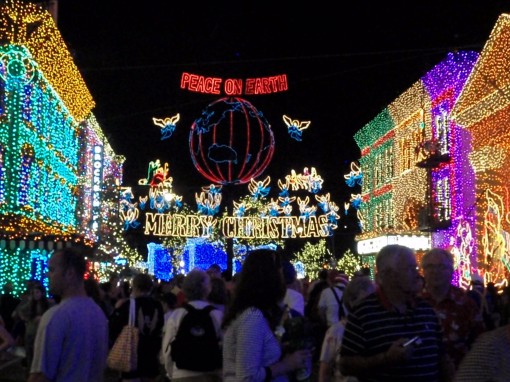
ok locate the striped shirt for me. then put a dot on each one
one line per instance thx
(373, 326)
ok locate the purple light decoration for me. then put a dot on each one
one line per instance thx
(444, 84)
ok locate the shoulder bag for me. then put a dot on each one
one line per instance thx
(123, 355)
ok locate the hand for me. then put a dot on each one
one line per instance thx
(397, 354)
(298, 359)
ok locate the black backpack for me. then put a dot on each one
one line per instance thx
(196, 346)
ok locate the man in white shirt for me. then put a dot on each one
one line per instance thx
(329, 303)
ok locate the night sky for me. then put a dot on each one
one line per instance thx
(344, 65)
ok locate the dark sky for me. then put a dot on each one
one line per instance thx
(344, 63)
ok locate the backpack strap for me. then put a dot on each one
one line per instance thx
(188, 307)
(341, 311)
(334, 294)
(207, 308)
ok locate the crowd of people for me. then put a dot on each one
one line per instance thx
(408, 323)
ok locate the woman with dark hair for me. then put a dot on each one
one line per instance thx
(251, 349)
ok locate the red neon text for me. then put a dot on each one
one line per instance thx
(234, 86)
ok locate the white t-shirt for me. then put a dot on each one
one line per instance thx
(295, 300)
(328, 305)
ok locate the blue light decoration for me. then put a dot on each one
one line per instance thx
(200, 253)
(159, 261)
(295, 128)
(167, 125)
(300, 269)
(355, 176)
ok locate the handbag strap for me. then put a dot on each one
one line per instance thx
(132, 309)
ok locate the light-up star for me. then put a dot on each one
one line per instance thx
(295, 127)
(167, 125)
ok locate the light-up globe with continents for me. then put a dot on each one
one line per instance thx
(231, 142)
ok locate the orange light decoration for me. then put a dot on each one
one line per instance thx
(483, 110)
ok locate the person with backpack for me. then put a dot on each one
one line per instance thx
(251, 349)
(192, 340)
(330, 305)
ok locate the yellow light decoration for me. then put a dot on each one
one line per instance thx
(495, 240)
(28, 24)
(349, 263)
(487, 158)
(489, 83)
(167, 125)
(295, 127)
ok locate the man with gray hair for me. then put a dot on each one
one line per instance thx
(393, 335)
(457, 312)
(196, 287)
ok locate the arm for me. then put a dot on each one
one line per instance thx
(290, 362)
(7, 340)
(170, 330)
(359, 365)
(325, 370)
(330, 348)
(37, 377)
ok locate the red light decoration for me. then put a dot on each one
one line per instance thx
(232, 142)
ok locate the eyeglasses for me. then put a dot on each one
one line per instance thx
(437, 267)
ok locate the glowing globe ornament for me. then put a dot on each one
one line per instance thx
(231, 142)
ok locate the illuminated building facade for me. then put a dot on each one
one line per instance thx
(53, 155)
(436, 164)
(413, 161)
(483, 110)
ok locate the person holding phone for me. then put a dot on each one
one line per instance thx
(393, 334)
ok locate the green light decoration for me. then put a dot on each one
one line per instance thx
(39, 151)
(349, 263)
(315, 257)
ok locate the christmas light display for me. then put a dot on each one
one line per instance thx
(49, 185)
(29, 25)
(416, 128)
(314, 257)
(457, 114)
(483, 112)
